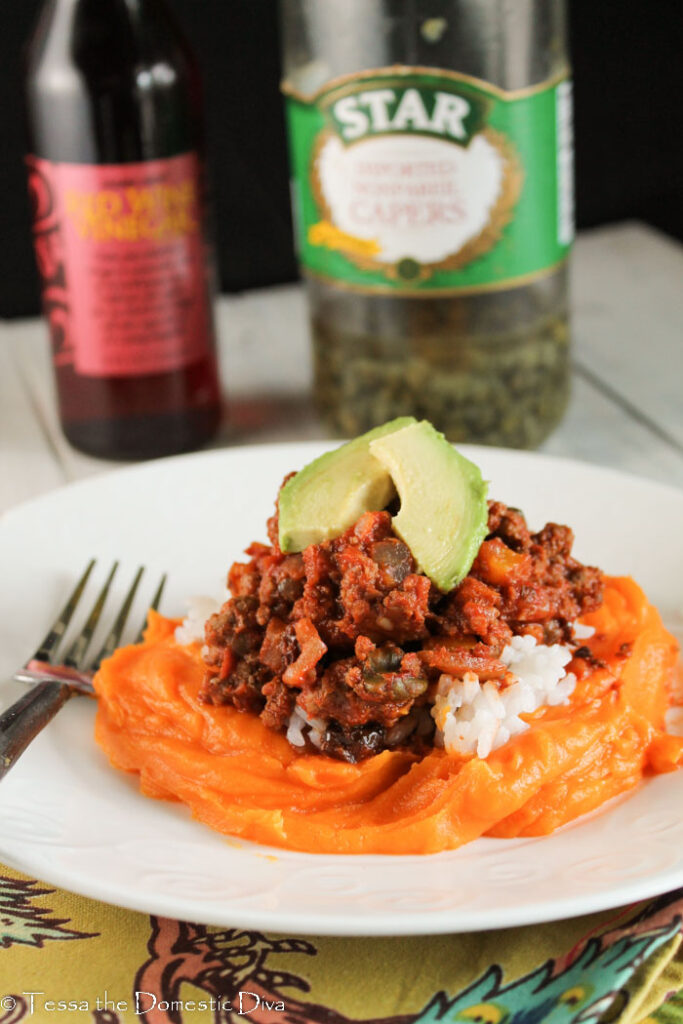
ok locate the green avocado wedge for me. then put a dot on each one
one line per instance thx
(331, 493)
(444, 514)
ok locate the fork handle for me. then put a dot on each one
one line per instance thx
(21, 723)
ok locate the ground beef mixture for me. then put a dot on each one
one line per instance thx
(355, 637)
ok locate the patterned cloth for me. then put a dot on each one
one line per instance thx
(67, 958)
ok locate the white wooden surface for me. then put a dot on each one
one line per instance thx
(626, 409)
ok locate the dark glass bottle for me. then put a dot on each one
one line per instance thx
(116, 180)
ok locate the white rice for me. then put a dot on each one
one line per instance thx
(199, 609)
(475, 718)
(298, 722)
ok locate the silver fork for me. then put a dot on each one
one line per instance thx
(55, 682)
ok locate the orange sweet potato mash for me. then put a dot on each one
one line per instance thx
(245, 780)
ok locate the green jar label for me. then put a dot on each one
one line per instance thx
(421, 181)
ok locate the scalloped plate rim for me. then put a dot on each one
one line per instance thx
(39, 569)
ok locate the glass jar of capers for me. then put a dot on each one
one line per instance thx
(431, 147)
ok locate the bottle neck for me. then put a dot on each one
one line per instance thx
(102, 5)
(104, 9)
(83, 29)
(110, 82)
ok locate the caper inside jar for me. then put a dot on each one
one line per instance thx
(431, 153)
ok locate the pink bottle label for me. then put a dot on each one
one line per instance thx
(121, 252)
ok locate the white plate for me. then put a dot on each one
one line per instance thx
(69, 819)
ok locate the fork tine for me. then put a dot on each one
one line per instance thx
(21, 723)
(113, 637)
(156, 601)
(53, 638)
(77, 651)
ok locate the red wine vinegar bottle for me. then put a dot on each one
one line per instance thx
(117, 187)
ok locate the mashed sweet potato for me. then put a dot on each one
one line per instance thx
(243, 779)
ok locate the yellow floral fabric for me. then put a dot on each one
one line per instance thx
(67, 958)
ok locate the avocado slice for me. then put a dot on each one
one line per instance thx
(329, 494)
(444, 515)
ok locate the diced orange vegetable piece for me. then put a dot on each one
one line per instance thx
(498, 564)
